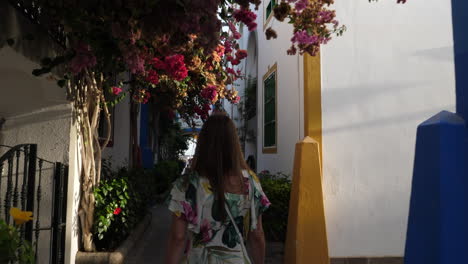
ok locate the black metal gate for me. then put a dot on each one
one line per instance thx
(40, 186)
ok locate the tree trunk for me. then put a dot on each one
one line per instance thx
(86, 93)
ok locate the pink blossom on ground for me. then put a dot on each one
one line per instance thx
(84, 58)
(116, 90)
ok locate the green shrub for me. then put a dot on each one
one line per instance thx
(12, 248)
(277, 188)
(119, 208)
(132, 191)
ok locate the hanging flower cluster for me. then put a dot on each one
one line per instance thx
(314, 24)
(178, 53)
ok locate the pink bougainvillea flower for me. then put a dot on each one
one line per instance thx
(175, 66)
(147, 97)
(116, 90)
(83, 59)
(241, 54)
(302, 37)
(236, 100)
(210, 93)
(247, 17)
(220, 50)
(230, 71)
(158, 64)
(134, 60)
(153, 77)
(301, 5)
(117, 211)
(190, 214)
(228, 47)
(235, 62)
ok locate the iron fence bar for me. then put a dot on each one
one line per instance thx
(19, 147)
(9, 189)
(63, 213)
(55, 214)
(25, 174)
(31, 185)
(15, 194)
(24, 187)
(38, 206)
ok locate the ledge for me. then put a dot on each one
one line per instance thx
(119, 255)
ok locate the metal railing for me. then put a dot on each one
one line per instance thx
(40, 186)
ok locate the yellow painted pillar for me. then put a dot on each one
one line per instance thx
(313, 99)
(306, 240)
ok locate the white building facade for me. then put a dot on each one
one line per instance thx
(392, 69)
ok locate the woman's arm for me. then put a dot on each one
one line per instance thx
(257, 243)
(177, 240)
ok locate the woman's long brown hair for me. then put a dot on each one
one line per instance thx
(218, 154)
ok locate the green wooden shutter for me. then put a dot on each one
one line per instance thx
(269, 119)
(269, 9)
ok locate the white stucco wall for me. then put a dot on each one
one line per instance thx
(119, 152)
(390, 71)
(289, 95)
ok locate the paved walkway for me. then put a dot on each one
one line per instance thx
(152, 247)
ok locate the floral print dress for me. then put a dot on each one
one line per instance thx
(211, 239)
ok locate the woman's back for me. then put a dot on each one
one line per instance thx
(212, 237)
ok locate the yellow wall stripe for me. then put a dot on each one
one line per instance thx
(313, 99)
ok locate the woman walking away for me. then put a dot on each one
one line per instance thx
(217, 204)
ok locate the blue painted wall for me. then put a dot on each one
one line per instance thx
(146, 152)
(460, 37)
(438, 219)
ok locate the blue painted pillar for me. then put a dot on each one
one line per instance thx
(438, 219)
(460, 38)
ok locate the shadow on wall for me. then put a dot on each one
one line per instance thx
(342, 97)
(442, 54)
(14, 24)
(415, 116)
